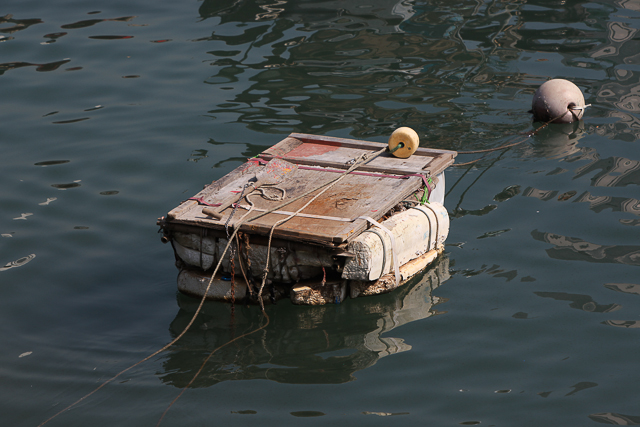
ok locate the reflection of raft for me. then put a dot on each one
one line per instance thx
(365, 235)
(330, 343)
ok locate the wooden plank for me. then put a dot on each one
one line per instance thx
(218, 191)
(440, 163)
(353, 196)
(336, 152)
(370, 167)
(182, 208)
(258, 239)
(356, 143)
(283, 147)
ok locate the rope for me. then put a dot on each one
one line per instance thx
(477, 179)
(341, 171)
(429, 219)
(207, 360)
(468, 163)
(167, 346)
(364, 158)
(235, 208)
(573, 108)
(427, 194)
(394, 253)
(462, 176)
(240, 262)
(303, 215)
(273, 198)
(435, 215)
(384, 248)
(488, 150)
(529, 135)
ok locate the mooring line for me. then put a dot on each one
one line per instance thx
(167, 346)
(362, 160)
(505, 147)
(477, 178)
(207, 360)
(326, 186)
(365, 158)
(529, 135)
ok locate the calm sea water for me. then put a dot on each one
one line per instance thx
(114, 112)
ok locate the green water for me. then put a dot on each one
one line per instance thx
(114, 112)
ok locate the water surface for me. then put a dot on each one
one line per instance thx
(115, 112)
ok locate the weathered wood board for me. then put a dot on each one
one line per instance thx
(326, 151)
(372, 190)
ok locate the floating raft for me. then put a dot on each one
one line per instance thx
(367, 234)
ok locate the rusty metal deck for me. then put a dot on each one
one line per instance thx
(372, 190)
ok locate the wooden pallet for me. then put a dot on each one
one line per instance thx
(372, 190)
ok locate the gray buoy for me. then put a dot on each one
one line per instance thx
(555, 97)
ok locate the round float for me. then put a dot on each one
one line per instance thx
(409, 140)
(558, 99)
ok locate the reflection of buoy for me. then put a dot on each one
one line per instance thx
(559, 141)
(558, 99)
(409, 140)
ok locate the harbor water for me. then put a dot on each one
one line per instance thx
(115, 112)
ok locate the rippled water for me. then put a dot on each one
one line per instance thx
(113, 113)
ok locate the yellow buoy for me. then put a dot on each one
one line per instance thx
(403, 142)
